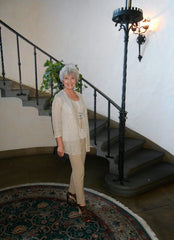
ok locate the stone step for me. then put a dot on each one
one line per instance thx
(2, 92)
(43, 103)
(142, 181)
(100, 125)
(8, 84)
(45, 112)
(131, 145)
(102, 137)
(16, 93)
(141, 159)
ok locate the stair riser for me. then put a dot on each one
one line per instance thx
(43, 104)
(98, 130)
(131, 151)
(104, 145)
(8, 84)
(44, 112)
(143, 167)
(28, 104)
(16, 93)
(115, 156)
(2, 92)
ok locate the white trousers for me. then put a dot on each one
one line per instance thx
(78, 172)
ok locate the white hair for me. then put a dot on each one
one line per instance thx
(67, 70)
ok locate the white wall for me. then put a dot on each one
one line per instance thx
(22, 127)
(82, 31)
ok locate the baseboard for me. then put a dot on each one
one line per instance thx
(33, 151)
(26, 151)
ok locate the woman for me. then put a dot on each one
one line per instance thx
(71, 130)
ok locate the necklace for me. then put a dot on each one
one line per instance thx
(72, 95)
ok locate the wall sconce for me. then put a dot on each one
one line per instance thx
(140, 28)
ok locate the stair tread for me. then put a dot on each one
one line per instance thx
(18, 90)
(33, 100)
(103, 135)
(142, 158)
(8, 84)
(99, 122)
(130, 143)
(159, 171)
(15, 92)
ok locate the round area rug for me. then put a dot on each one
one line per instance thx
(40, 212)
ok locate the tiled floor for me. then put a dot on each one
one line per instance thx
(155, 207)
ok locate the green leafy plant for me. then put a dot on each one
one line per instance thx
(51, 81)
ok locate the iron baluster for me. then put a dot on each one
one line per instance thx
(52, 85)
(126, 4)
(26, 40)
(80, 86)
(19, 67)
(95, 118)
(36, 81)
(108, 129)
(2, 59)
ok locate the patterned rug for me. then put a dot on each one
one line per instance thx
(40, 212)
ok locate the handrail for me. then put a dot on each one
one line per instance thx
(96, 90)
(36, 47)
(103, 94)
(25, 39)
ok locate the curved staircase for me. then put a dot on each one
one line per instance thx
(144, 168)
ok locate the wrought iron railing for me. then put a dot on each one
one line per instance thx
(35, 50)
(110, 102)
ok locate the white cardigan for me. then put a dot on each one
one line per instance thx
(66, 124)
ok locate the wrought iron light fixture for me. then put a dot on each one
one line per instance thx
(141, 28)
(127, 17)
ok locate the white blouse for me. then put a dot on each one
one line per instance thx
(70, 121)
(79, 111)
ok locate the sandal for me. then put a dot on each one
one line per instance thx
(71, 199)
(85, 215)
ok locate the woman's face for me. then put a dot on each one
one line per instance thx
(69, 81)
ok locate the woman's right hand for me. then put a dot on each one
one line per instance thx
(60, 151)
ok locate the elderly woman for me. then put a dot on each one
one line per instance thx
(71, 130)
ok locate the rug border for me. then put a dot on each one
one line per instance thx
(138, 218)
